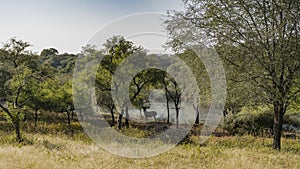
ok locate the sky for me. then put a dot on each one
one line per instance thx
(67, 25)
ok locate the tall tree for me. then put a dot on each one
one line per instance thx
(21, 70)
(116, 50)
(265, 36)
(172, 89)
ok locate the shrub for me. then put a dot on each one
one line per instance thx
(258, 123)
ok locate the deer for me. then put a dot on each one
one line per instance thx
(146, 105)
(150, 114)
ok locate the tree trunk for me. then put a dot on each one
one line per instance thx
(225, 112)
(177, 115)
(112, 116)
(279, 111)
(141, 112)
(16, 124)
(69, 118)
(35, 118)
(126, 117)
(168, 108)
(197, 121)
(72, 115)
(177, 101)
(120, 119)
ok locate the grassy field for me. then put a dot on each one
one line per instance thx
(55, 145)
(55, 151)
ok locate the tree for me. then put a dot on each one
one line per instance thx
(84, 98)
(173, 90)
(105, 100)
(200, 73)
(49, 52)
(103, 92)
(36, 101)
(21, 70)
(38, 91)
(66, 102)
(116, 50)
(59, 96)
(265, 36)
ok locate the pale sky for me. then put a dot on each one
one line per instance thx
(67, 25)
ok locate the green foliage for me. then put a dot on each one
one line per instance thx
(49, 52)
(60, 63)
(116, 50)
(254, 123)
(22, 70)
(200, 73)
(259, 39)
(143, 83)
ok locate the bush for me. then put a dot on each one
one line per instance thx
(258, 123)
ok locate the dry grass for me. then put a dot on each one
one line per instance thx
(57, 152)
(58, 146)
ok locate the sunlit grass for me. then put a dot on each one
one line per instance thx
(59, 151)
(57, 145)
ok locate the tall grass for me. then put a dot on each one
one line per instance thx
(48, 152)
(71, 151)
(57, 145)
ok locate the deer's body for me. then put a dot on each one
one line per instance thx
(150, 114)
